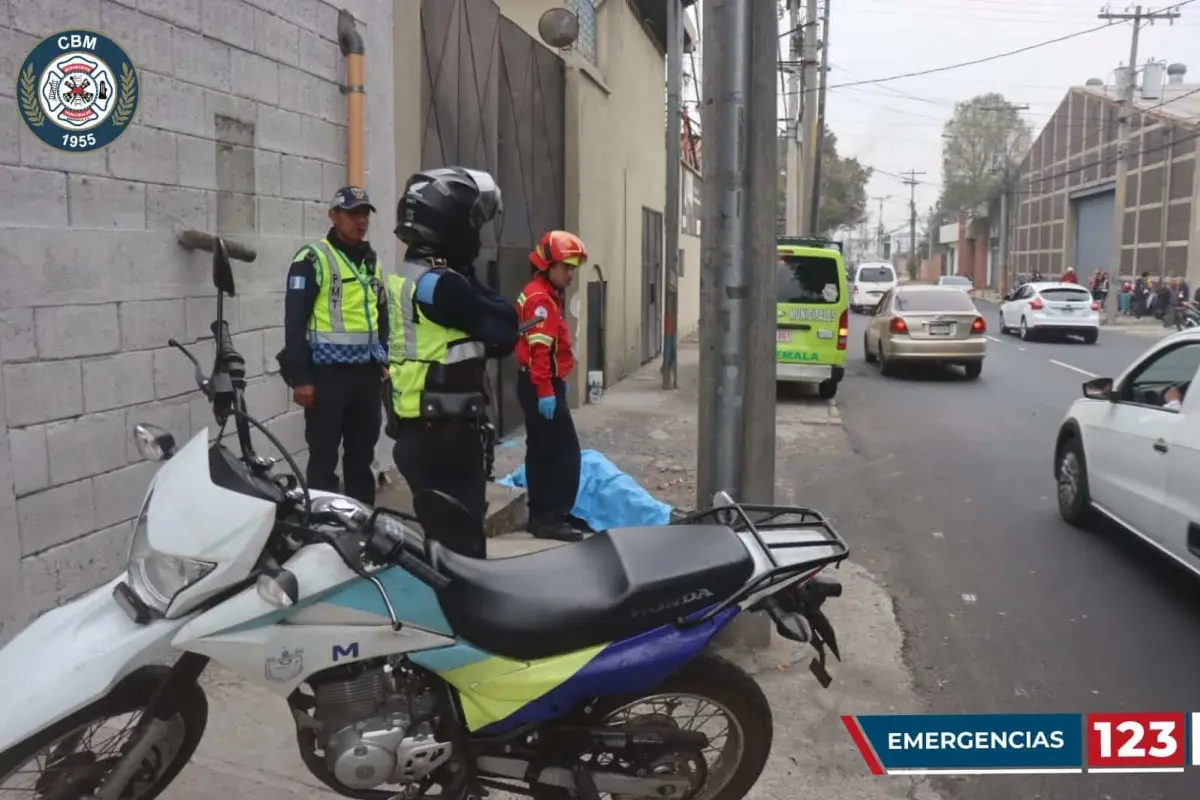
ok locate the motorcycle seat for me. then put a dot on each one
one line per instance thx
(607, 588)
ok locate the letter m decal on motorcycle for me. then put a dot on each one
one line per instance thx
(349, 651)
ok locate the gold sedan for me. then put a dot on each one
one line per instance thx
(926, 324)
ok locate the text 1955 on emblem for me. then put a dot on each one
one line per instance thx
(77, 91)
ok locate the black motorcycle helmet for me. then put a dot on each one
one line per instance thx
(442, 212)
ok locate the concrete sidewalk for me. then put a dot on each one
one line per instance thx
(250, 750)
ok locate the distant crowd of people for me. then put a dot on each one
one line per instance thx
(1143, 297)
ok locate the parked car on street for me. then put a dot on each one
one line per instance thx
(918, 323)
(960, 282)
(1051, 309)
(872, 279)
(1129, 450)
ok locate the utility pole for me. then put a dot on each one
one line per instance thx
(815, 208)
(880, 232)
(794, 102)
(808, 115)
(1137, 16)
(670, 362)
(736, 425)
(911, 182)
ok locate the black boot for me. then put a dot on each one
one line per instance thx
(556, 530)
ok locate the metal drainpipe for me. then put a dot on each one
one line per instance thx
(350, 42)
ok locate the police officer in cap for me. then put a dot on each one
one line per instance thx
(334, 356)
(445, 325)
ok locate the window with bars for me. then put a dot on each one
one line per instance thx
(585, 10)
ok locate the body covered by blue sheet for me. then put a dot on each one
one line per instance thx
(608, 497)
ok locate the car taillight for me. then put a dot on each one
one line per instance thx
(843, 329)
(1036, 304)
(856, 288)
(897, 325)
(979, 326)
(1095, 306)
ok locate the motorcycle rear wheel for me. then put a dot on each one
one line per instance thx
(131, 696)
(722, 684)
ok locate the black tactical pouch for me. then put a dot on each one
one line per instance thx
(470, 406)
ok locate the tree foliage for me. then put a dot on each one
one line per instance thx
(985, 136)
(843, 188)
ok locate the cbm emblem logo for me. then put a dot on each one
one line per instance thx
(349, 651)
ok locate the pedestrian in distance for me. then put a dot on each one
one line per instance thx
(334, 356)
(447, 324)
(545, 359)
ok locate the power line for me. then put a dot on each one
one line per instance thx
(985, 59)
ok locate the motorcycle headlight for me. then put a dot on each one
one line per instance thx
(157, 577)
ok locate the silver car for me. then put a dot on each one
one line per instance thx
(927, 324)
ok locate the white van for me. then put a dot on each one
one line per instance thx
(870, 282)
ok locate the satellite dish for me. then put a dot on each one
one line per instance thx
(559, 27)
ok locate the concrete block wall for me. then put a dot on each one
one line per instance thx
(240, 130)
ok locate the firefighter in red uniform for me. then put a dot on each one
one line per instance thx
(545, 358)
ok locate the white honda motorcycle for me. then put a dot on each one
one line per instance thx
(407, 667)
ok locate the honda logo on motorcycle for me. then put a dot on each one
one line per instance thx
(679, 602)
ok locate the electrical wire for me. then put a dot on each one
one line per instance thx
(996, 57)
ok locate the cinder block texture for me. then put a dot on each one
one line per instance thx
(241, 131)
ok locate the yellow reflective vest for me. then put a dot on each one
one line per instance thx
(344, 325)
(415, 343)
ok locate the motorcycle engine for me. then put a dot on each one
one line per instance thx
(377, 725)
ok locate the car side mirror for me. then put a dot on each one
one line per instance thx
(1099, 389)
(222, 270)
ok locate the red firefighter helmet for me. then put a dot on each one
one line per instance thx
(558, 246)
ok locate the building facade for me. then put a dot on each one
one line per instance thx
(241, 130)
(1065, 198)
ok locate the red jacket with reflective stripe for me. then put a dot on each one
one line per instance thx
(544, 349)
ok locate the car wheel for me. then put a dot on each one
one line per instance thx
(1090, 337)
(885, 366)
(1070, 473)
(827, 389)
(1002, 327)
(867, 354)
(1026, 334)
(974, 369)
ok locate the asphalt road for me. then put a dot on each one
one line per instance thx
(1005, 607)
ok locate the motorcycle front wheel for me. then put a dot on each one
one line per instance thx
(711, 695)
(71, 758)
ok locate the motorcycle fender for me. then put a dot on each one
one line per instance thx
(72, 656)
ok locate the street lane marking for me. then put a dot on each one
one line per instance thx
(969, 599)
(994, 339)
(1073, 368)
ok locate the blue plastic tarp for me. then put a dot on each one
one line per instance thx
(608, 497)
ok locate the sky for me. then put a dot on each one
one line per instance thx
(897, 125)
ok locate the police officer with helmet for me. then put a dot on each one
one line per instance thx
(334, 356)
(445, 325)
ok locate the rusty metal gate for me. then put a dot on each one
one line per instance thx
(494, 99)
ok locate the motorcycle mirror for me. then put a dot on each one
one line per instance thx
(278, 587)
(153, 443)
(222, 271)
(722, 498)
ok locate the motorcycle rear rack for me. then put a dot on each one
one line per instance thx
(779, 530)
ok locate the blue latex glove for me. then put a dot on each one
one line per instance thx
(546, 406)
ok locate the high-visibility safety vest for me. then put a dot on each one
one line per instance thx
(416, 343)
(344, 325)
